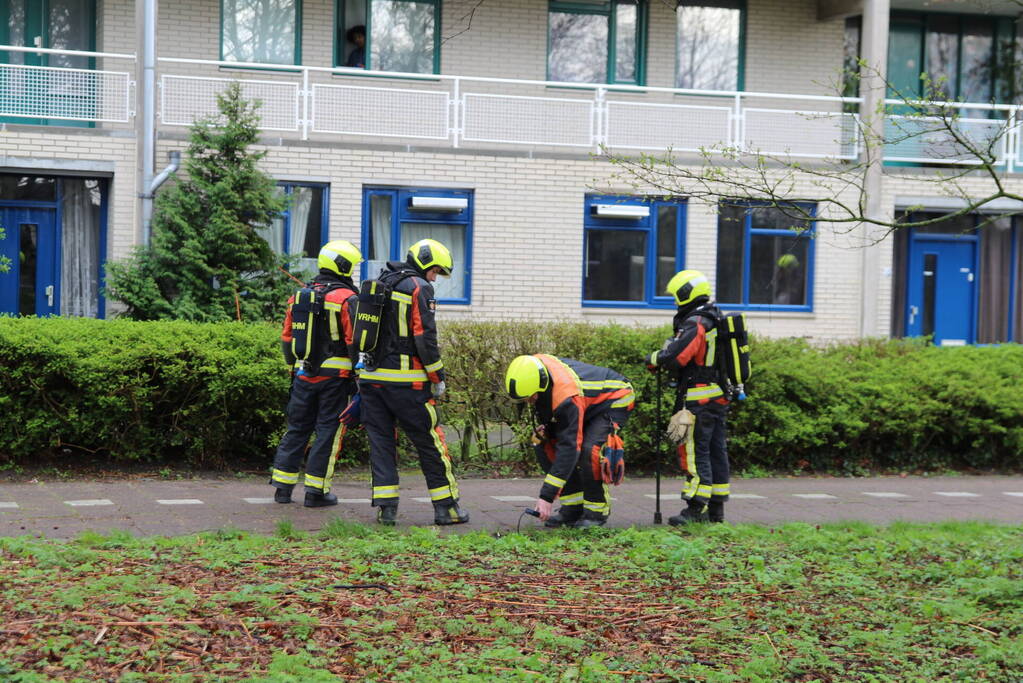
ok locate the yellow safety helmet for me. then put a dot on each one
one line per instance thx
(687, 285)
(339, 256)
(526, 375)
(426, 254)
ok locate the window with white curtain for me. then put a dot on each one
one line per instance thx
(396, 218)
(81, 247)
(302, 228)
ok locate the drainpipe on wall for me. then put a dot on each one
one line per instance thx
(148, 115)
(150, 194)
(873, 90)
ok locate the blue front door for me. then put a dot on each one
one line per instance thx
(32, 285)
(941, 289)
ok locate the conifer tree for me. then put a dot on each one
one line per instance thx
(207, 261)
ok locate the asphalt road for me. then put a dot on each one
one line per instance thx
(147, 507)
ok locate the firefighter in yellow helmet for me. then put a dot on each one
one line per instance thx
(315, 341)
(578, 406)
(690, 357)
(404, 382)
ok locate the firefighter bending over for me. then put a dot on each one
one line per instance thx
(316, 328)
(579, 408)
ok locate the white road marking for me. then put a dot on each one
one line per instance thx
(354, 500)
(514, 499)
(89, 502)
(8, 505)
(423, 500)
(957, 494)
(675, 496)
(180, 501)
(258, 501)
(885, 494)
(814, 496)
(1018, 494)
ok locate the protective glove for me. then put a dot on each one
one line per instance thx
(651, 362)
(680, 426)
(438, 390)
(544, 508)
(539, 436)
(351, 416)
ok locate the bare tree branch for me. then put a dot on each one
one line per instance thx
(833, 190)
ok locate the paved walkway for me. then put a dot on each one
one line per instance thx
(158, 507)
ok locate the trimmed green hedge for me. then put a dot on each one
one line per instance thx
(213, 395)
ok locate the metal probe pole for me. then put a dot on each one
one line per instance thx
(657, 451)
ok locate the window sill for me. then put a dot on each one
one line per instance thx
(618, 88)
(635, 305)
(351, 72)
(795, 311)
(283, 68)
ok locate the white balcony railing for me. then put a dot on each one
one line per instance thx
(458, 111)
(463, 111)
(32, 93)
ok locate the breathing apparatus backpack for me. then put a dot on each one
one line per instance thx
(315, 334)
(369, 315)
(732, 359)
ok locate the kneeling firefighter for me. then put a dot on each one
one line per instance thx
(403, 377)
(579, 408)
(691, 357)
(317, 327)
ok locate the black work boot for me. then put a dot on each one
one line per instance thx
(590, 519)
(567, 515)
(691, 515)
(387, 515)
(282, 495)
(314, 499)
(716, 511)
(449, 513)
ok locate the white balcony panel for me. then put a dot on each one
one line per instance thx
(681, 127)
(524, 120)
(926, 139)
(187, 98)
(64, 94)
(803, 134)
(381, 112)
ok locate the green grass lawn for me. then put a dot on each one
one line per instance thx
(843, 602)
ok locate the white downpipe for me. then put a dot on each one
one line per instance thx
(148, 115)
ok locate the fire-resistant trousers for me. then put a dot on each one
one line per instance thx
(704, 459)
(582, 488)
(313, 408)
(385, 407)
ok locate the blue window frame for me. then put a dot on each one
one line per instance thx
(303, 227)
(395, 218)
(765, 258)
(632, 247)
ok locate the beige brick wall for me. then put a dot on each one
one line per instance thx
(528, 237)
(528, 232)
(57, 148)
